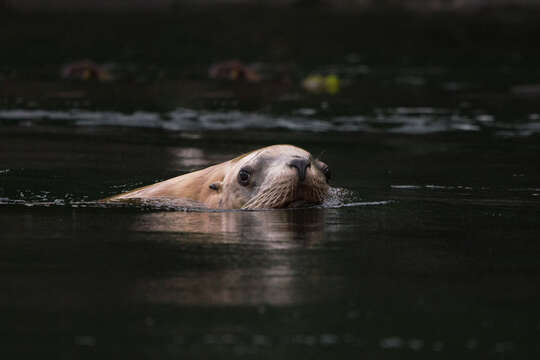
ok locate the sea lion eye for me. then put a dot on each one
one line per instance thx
(326, 171)
(243, 176)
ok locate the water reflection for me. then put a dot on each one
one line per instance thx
(196, 158)
(189, 157)
(258, 248)
(273, 229)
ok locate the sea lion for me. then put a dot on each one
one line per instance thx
(277, 176)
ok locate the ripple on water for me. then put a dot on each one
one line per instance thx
(399, 120)
(309, 340)
(338, 198)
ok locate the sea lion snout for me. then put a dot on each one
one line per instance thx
(301, 165)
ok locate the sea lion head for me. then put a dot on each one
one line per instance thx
(277, 176)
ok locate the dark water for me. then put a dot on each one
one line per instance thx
(436, 256)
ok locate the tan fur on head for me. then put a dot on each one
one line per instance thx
(263, 178)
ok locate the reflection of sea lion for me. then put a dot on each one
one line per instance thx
(272, 177)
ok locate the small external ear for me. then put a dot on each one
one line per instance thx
(215, 186)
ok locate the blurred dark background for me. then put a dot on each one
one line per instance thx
(385, 53)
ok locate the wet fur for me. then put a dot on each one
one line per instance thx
(274, 184)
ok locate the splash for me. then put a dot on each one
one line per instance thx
(341, 197)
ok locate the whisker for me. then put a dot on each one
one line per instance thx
(321, 154)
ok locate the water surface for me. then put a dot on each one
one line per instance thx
(436, 254)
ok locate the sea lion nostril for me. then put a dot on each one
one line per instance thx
(301, 165)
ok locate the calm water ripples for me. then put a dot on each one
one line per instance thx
(431, 250)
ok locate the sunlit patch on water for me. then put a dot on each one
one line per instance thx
(400, 120)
